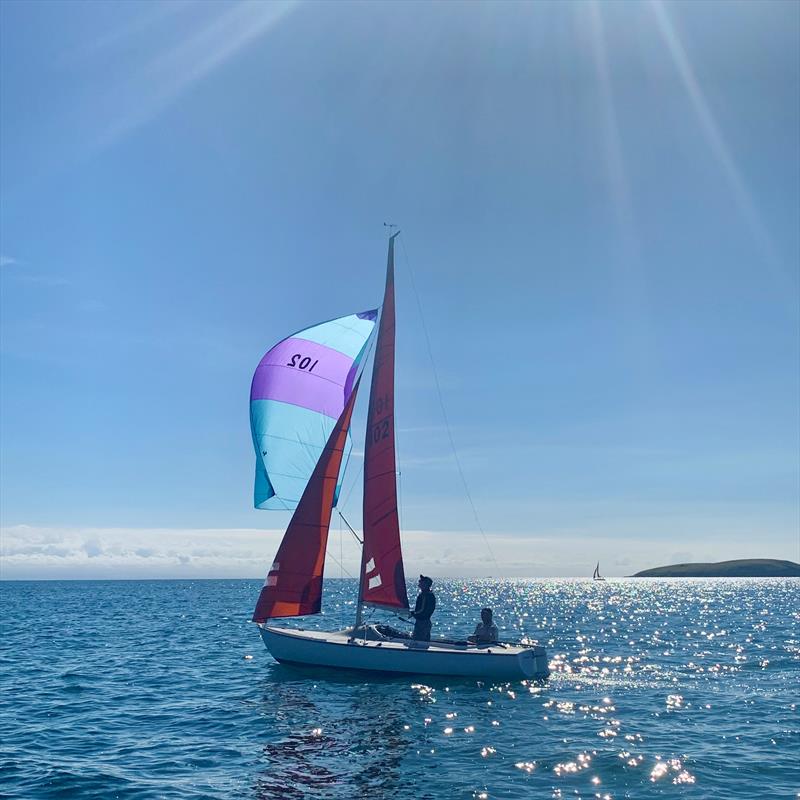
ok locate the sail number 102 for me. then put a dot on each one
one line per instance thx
(305, 363)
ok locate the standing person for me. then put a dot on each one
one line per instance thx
(485, 631)
(423, 610)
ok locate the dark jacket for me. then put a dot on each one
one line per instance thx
(425, 605)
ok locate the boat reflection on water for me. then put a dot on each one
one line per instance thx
(351, 747)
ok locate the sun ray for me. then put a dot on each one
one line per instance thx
(615, 164)
(631, 287)
(714, 137)
(163, 78)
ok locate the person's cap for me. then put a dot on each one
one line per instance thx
(426, 579)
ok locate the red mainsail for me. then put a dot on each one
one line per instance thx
(383, 581)
(294, 583)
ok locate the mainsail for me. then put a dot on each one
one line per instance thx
(382, 579)
(294, 583)
(299, 390)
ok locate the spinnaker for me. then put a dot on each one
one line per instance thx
(299, 390)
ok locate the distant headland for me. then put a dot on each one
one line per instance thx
(741, 568)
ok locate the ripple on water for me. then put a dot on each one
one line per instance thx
(678, 688)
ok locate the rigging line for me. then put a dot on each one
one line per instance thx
(400, 500)
(341, 566)
(352, 485)
(441, 404)
(341, 561)
(398, 474)
(372, 337)
(349, 526)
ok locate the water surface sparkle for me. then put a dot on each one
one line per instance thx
(659, 688)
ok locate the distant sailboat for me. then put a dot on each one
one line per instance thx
(596, 574)
(302, 400)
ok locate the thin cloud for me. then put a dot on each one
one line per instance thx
(426, 429)
(26, 276)
(48, 281)
(31, 552)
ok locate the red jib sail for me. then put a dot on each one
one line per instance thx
(294, 583)
(383, 581)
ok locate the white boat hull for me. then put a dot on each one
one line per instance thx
(339, 650)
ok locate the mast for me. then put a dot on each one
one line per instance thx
(382, 577)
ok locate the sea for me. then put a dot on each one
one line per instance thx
(163, 689)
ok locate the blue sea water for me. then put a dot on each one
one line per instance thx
(145, 689)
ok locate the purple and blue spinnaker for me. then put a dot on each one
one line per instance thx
(299, 389)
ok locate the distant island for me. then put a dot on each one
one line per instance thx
(741, 568)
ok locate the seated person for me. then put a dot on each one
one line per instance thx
(485, 630)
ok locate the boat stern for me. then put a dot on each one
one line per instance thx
(533, 662)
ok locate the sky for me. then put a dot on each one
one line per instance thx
(599, 205)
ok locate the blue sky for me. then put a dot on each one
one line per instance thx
(600, 208)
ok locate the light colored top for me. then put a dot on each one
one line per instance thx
(486, 633)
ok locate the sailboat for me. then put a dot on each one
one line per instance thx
(596, 576)
(302, 400)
